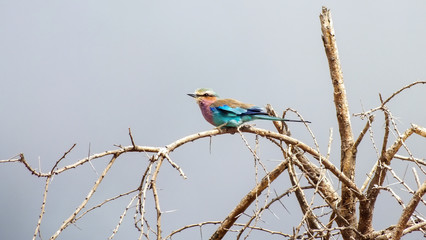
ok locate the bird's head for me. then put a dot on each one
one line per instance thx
(204, 95)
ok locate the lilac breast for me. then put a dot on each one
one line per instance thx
(206, 111)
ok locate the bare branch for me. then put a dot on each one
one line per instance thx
(401, 181)
(143, 187)
(248, 224)
(43, 206)
(131, 138)
(347, 164)
(107, 153)
(191, 226)
(416, 177)
(247, 200)
(367, 207)
(63, 157)
(415, 227)
(121, 218)
(388, 99)
(408, 211)
(386, 135)
(361, 135)
(156, 197)
(312, 221)
(390, 153)
(105, 202)
(12, 159)
(86, 200)
(402, 89)
(166, 155)
(416, 160)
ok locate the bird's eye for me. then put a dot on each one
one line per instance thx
(205, 94)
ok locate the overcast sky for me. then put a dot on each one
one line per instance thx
(85, 71)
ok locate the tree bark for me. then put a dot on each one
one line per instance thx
(348, 152)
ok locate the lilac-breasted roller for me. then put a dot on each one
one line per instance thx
(229, 112)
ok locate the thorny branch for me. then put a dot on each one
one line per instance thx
(247, 200)
(296, 153)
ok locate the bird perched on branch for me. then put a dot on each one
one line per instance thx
(229, 112)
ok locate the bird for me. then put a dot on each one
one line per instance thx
(229, 112)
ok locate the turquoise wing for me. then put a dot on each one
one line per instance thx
(230, 110)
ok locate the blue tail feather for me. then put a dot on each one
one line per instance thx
(267, 117)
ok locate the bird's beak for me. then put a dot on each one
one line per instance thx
(192, 95)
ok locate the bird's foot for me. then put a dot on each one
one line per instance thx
(245, 125)
(220, 126)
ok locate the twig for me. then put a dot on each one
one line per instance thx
(402, 182)
(369, 176)
(247, 200)
(121, 218)
(312, 220)
(131, 138)
(159, 160)
(259, 211)
(388, 99)
(86, 200)
(142, 192)
(105, 202)
(416, 160)
(60, 159)
(364, 130)
(366, 215)
(402, 89)
(43, 205)
(394, 195)
(416, 177)
(46, 188)
(307, 127)
(190, 226)
(403, 142)
(164, 153)
(12, 159)
(264, 230)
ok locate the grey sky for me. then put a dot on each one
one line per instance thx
(85, 71)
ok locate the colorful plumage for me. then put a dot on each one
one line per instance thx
(229, 112)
